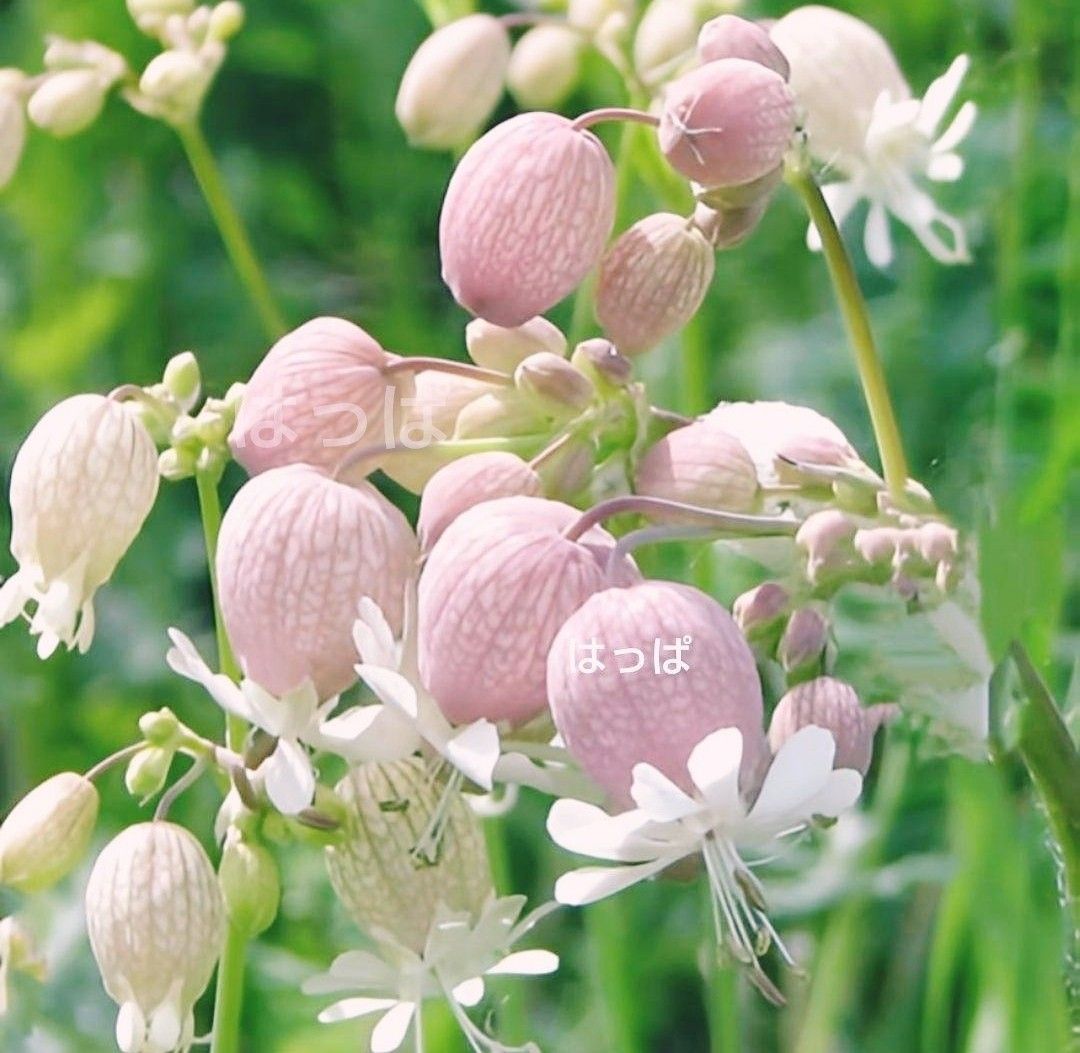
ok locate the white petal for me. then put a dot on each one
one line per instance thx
(840, 792)
(130, 1028)
(368, 733)
(940, 94)
(373, 636)
(590, 831)
(165, 1027)
(526, 963)
(391, 687)
(184, 659)
(351, 1008)
(798, 772)
(351, 971)
(658, 797)
(945, 168)
(958, 129)
(876, 238)
(469, 993)
(589, 884)
(390, 1032)
(290, 780)
(475, 751)
(714, 766)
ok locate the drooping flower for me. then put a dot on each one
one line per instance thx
(83, 482)
(864, 125)
(525, 217)
(296, 553)
(496, 588)
(156, 922)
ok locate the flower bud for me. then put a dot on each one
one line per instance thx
(453, 82)
(64, 54)
(83, 482)
(68, 101)
(601, 361)
(160, 728)
(317, 395)
(553, 385)
(296, 554)
(802, 646)
(826, 538)
(47, 833)
(590, 15)
(544, 66)
(882, 544)
(12, 123)
(482, 648)
(183, 379)
(727, 123)
(150, 15)
(377, 876)
(156, 923)
(732, 37)
(727, 228)
(250, 885)
(758, 612)
(226, 20)
(468, 482)
(526, 216)
(673, 667)
(147, 771)
(700, 465)
(175, 83)
(665, 38)
(503, 350)
(652, 281)
(833, 705)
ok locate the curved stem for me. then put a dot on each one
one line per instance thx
(615, 113)
(677, 420)
(857, 322)
(231, 227)
(188, 779)
(113, 760)
(418, 364)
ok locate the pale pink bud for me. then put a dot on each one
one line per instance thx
(727, 123)
(727, 228)
(664, 39)
(732, 37)
(318, 394)
(833, 705)
(699, 465)
(297, 553)
(825, 537)
(496, 588)
(803, 643)
(453, 82)
(626, 712)
(494, 347)
(553, 385)
(526, 216)
(545, 66)
(652, 281)
(601, 360)
(882, 544)
(936, 542)
(471, 481)
(758, 611)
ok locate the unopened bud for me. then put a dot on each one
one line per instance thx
(727, 228)
(453, 82)
(183, 379)
(147, 771)
(504, 349)
(553, 383)
(503, 413)
(732, 37)
(150, 15)
(250, 884)
(68, 101)
(821, 536)
(175, 464)
(226, 20)
(544, 66)
(590, 15)
(652, 281)
(882, 545)
(47, 832)
(802, 646)
(665, 35)
(175, 84)
(160, 727)
(759, 611)
(601, 361)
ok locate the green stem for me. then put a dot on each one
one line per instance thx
(857, 323)
(231, 228)
(229, 994)
(607, 924)
(513, 1017)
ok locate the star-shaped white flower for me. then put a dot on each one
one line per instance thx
(902, 144)
(458, 954)
(716, 822)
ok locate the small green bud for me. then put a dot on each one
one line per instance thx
(250, 884)
(147, 771)
(160, 728)
(226, 20)
(175, 465)
(183, 379)
(47, 832)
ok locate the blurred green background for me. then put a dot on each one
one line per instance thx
(939, 931)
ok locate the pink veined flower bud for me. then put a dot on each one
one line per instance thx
(803, 644)
(317, 395)
(652, 281)
(553, 385)
(156, 921)
(496, 588)
(602, 361)
(296, 554)
(758, 611)
(453, 82)
(468, 482)
(727, 123)
(833, 705)
(700, 465)
(83, 483)
(672, 667)
(495, 347)
(526, 216)
(732, 37)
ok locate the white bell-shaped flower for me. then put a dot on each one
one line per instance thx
(82, 485)
(156, 922)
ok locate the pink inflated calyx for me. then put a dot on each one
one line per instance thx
(297, 552)
(525, 217)
(635, 709)
(496, 588)
(732, 37)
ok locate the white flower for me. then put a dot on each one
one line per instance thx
(863, 123)
(458, 954)
(83, 482)
(669, 824)
(12, 122)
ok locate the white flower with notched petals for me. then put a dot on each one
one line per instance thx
(863, 124)
(458, 954)
(716, 822)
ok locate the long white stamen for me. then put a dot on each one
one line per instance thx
(426, 849)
